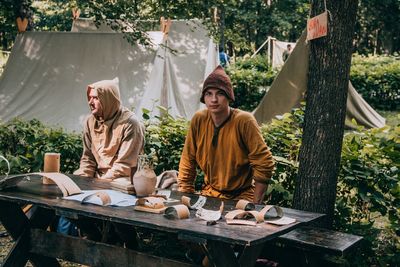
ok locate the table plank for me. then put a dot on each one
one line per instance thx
(13, 219)
(77, 250)
(17, 224)
(19, 252)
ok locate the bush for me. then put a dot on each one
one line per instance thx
(283, 137)
(368, 197)
(165, 137)
(250, 79)
(368, 190)
(24, 144)
(377, 79)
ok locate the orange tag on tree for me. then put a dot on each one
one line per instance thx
(317, 26)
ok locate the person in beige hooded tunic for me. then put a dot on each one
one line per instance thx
(112, 137)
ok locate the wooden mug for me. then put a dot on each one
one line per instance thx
(51, 164)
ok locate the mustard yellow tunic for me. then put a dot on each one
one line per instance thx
(239, 157)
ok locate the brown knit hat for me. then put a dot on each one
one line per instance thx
(218, 79)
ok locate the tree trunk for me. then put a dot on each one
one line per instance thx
(328, 81)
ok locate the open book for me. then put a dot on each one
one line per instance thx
(66, 185)
(246, 215)
(104, 198)
(72, 191)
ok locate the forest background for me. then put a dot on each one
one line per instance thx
(368, 192)
(240, 26)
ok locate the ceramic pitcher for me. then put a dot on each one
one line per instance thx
(145, 178)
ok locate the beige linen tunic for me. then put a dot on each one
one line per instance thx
(111, 145)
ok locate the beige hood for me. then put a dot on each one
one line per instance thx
(109, 96)
(108, 131)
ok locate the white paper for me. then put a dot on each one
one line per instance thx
(208, 215)
(282, 221)
(118, 199)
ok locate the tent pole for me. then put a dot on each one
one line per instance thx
(269, 51)
(255, 53)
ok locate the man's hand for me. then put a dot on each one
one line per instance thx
(259, 192)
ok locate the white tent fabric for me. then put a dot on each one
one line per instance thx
(288, 88)
(278, 47)
(47, 73)
(177, 77)
(359, 110)
(275, 51)
(184, 72)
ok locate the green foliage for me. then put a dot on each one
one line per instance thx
(165, 137)
(24, 144)
(122, 16)
(9, 11)
(249, 23)
(368, 190)
(368, 197)
(53, 15)
(392, 117)
(377, 79)
(246, 24)
(377, 27)
(283, 137)
(250, 80)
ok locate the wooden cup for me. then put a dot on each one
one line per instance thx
(51, 164)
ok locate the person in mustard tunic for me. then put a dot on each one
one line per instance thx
(227, 145)
(113, 137)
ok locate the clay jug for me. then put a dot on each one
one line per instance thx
(145, 178)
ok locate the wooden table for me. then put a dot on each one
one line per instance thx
(42, 247)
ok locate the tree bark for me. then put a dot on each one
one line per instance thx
(328, 81)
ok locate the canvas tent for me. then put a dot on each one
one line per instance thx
(275, 49)
(288, 88)
(47, 72)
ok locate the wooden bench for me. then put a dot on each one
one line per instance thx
(310, 246)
